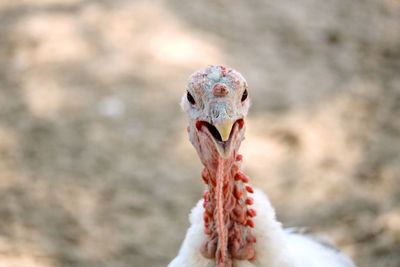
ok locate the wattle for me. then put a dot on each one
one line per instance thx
(227, 215)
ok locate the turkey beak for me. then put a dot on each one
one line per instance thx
(224, 128)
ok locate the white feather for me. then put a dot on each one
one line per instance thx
(275, 247)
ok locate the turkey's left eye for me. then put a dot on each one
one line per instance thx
(244, 96)
(190, 98)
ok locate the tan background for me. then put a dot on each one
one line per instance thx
(95, 166)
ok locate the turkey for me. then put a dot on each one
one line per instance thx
(234, 224)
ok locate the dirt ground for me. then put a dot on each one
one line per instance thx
(95, 166)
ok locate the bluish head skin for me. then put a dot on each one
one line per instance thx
(216, 103)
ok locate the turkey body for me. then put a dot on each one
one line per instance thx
(275, 247)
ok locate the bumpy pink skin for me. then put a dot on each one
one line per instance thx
(233, 238)
(227, 212)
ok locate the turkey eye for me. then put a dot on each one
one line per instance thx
(244, 96)
(190, 98)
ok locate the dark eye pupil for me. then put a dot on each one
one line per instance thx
(190, 98)
(244, 96)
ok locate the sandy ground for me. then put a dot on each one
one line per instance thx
(95, 166)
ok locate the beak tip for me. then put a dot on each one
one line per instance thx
(224, 129)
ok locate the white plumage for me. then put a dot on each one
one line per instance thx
(275, 247)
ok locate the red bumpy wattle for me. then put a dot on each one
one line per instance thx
(204, 176)
(244, 178)
(250, 223)
(251, 213)
(249, 201)
(237, 215)
(249, 189)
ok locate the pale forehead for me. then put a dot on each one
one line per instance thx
(202, 81)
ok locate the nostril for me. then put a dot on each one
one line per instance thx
(215, 113)
(220, 90)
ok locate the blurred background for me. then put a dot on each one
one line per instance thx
(95, 166)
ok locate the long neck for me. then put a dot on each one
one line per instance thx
(227, 216)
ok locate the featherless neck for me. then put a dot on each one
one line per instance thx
(227, 213)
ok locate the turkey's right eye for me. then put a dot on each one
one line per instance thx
(244, 96)
(190, 98)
